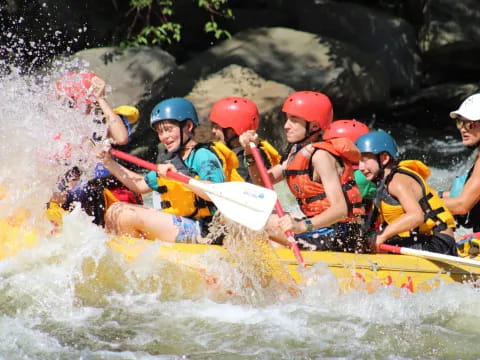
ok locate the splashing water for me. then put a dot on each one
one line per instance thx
(41, 139)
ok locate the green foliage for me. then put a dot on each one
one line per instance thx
(153, 21)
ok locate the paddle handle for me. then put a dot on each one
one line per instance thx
(278, 207)
(429, 255)
(391, 248)
(148, 165)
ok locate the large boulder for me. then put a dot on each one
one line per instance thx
(130, 73)
(297, 59)
(235, 80)
(391, 41)
(450, 37)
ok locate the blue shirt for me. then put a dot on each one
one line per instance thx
(206, 164)
(200, 161)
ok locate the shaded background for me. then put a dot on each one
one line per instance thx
(391, 64)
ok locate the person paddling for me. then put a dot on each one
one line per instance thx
(185, 213)
(85, 91)
(463, 200)
(319, 175)
(231, 117)
(411, 214)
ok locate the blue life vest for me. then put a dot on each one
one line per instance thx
(458, 184)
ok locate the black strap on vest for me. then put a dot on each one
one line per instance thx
(295, 172)
(429, 213)
(175, 159)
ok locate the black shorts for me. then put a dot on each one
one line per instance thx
(439, 242)
(346, 237)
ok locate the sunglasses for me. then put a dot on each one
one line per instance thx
(466, 124)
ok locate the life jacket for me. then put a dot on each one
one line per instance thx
(437, 217)
(472, 218)
(310, 194)
(272, 155)
(468, 246)
(227, 157)
(269, 154)
(176, 198)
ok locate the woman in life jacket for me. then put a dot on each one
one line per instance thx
(185, 213)
(85, 91)
(410, 212)
(463, 200)
(320, 176)
(231, 117)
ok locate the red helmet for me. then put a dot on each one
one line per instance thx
(76, 86)
(310, 105)
(351, 129)
(238, 113)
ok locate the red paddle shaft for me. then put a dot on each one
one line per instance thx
(148, 165)
(278, 207)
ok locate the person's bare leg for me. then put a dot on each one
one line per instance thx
(139, 221)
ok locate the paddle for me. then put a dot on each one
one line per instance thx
(278, 207)
(247, 204)
(468, 237)
(429, 255)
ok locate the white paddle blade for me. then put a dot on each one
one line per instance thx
(247, 204)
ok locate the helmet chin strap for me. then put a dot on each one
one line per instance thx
(307, 139)
(381, 171)
(308, 135)
(183, 142)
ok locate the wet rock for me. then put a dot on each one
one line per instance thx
(235, 80)
(450, 39)
(130, 73)
(297, 59)
(390, 41)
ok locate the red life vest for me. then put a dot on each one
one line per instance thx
(310, 194)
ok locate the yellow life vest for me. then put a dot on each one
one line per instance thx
(228, 158)
(179, 200)
(437, 217)
(273, 156)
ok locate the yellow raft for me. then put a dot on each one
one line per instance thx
(353, 271)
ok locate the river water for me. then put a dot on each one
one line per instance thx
(53, 307)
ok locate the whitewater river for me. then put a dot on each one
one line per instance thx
(71, 297)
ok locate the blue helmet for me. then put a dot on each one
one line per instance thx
(179, 109)
(376, 142)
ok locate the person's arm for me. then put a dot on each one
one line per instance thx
(325, 165)
(275, 173)
(469, 196)
(408, 192)
(117, 131)
(135, 182)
